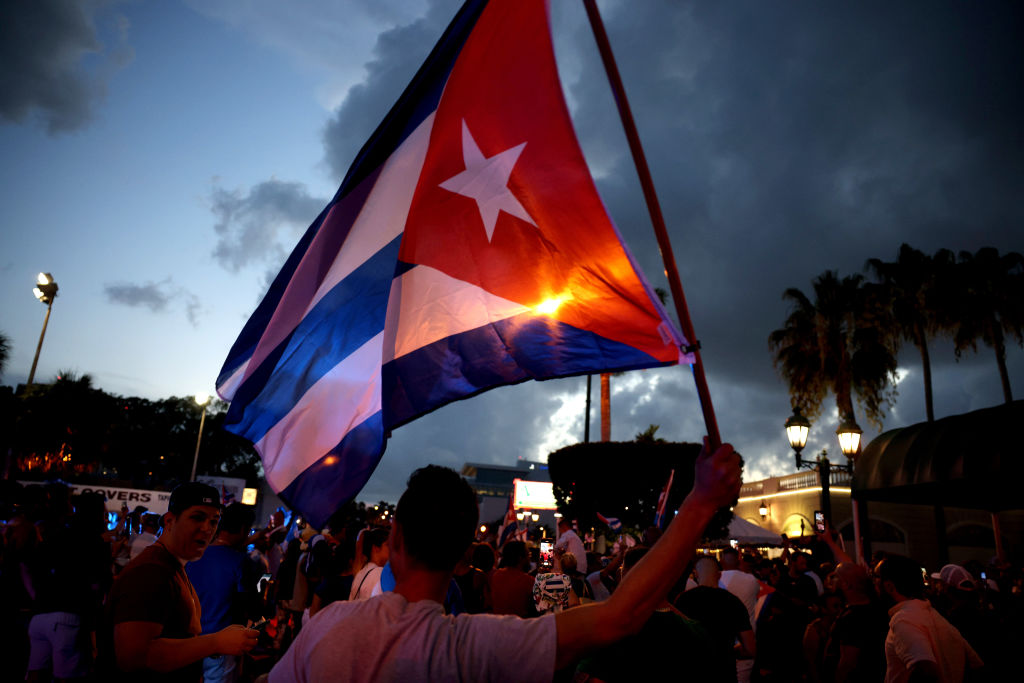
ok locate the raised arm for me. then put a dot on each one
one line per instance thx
(716, 484)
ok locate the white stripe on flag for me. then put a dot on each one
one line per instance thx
(339, 401)
(429, 305)
(386, 210)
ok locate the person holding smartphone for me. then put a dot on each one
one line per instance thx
(153, 607)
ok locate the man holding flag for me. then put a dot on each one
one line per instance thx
(406, 636)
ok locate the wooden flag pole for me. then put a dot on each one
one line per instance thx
(657, 219)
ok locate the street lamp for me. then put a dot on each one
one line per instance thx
(46, 291)
(848, 433)
(797, 429)
(201, 400)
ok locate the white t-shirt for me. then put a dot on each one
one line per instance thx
(387, 638)
(139, 543)
(918, 633)
(364, 582)
(570, 542)
(745, 587)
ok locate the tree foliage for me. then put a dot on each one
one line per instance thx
(836, 343)
(914, 290)
(988, 305)
(624, 480)
(5, 352)
(70, 429)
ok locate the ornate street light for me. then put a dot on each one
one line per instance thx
(849, 437)
(848, 433)
(797, 429)
(201, 400)
(763, 510)
(46, 291)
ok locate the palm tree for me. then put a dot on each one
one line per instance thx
(988, 305)
(907, 287)
(836, 343)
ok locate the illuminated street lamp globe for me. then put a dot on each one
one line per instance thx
(849, 437)
(797, 428)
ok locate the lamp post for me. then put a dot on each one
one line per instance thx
(201, 400)
(46, 291)
(797, 429)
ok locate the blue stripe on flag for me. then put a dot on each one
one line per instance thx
(506, 352)
(243, 348)
(341, 322)
(339, 475)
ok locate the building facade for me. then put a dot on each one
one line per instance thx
(789, 503)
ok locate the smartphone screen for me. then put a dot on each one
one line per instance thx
(545, 552)
(819, 521)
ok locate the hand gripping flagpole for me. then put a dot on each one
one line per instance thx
(676, 287)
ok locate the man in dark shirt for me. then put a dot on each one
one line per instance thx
(153, 607)
(722, 614)
(856, 647)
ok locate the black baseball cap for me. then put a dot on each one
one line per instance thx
(193, 493)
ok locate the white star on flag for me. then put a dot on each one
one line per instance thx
(485, 180)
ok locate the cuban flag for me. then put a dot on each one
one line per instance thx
(509, 526)
(660, 518)
(613, 523)
(467, 248)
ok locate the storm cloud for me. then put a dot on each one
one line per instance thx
(53, 64)
(257, 226)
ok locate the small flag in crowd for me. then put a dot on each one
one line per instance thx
(660, 519)
(227, 496)
(467, 248)
(509, 525)
(612, 523)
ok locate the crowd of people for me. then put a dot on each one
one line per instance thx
(200, 594)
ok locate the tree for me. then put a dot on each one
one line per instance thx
(836, 343)
(908, 288)
(5, 352)
(608, 478)
(988, 305)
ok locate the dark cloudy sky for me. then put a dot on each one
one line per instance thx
(161, 159)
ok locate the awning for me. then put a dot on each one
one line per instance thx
(746, 533)
(974, 460)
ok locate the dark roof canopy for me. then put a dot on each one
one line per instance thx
(974, 460)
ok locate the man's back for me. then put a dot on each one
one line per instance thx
(917, 633)
(724, 617)
(387, 638)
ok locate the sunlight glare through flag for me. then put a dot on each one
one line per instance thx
(467, 248)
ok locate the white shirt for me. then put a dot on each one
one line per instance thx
(918, 633)
(387, 638)
(139, 543)
(570, 542)
(364, 582)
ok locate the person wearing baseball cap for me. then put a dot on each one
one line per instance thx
(153, 607)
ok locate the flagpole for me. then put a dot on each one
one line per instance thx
(654, 208)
